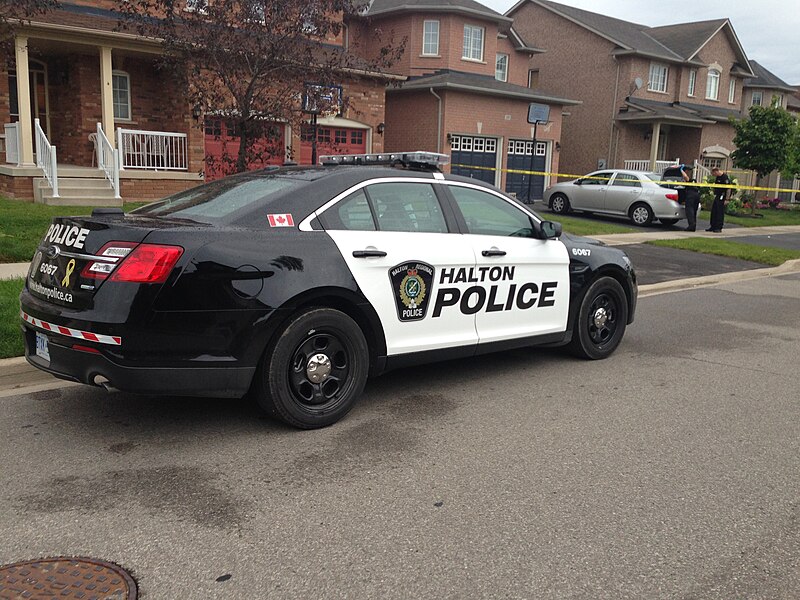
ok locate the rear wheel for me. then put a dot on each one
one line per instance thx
(315, 371)
(559, 204)
(601, 320)
(641, 214)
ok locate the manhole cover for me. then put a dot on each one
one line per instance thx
(70, 577)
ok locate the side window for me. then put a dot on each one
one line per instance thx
(627, 180)
(411, 207)
(486, 214)
(597, 179)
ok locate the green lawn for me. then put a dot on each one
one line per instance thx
(586, 226)
(22, 225)
(751, 252)
(10, 334)
(770, 217)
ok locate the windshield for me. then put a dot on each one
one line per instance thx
(222, 198)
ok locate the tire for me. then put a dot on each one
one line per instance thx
(306, 395)
(559, 204)
(669, 222)
(601, 320)
(641, 214)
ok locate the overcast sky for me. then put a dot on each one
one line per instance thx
(769, 30)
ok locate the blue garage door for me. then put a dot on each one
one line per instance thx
(519, 158)
(468, 152)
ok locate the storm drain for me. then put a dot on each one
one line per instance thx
(66, 577)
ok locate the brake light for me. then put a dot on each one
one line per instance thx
(113, 253)
(148, 263)
(672, 197)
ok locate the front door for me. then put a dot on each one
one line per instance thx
(37, 76)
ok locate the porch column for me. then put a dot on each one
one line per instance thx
(24, 102)
(107, 93)
(654, 145)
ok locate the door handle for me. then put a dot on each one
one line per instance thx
(368, 253)
(493, 252)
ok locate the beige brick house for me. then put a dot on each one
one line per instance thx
(467, 92)
(72, 69)
(650, 94)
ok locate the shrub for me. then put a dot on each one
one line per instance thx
(734, 206)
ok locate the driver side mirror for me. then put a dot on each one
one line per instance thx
(579, 181)
(550, 230)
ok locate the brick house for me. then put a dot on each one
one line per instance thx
(467, 92)
(72, 70)
(650, 94)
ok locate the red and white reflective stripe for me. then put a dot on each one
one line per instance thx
(76, 333)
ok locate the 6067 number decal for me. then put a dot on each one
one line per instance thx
(48, 269)
(581, 252)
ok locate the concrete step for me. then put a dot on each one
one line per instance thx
(80, 201)
(79, 192)
(76, 183)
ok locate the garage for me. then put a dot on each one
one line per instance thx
(332, 140)
(519, 159)
(474, 156)
(222, 147)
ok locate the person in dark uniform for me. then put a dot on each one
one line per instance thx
(720, 199)
(691, 199)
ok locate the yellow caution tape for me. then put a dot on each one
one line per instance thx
(683, 183)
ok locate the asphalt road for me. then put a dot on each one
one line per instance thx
(670, 470)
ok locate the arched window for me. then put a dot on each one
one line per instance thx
(712, 85)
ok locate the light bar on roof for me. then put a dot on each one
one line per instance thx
(430, 159)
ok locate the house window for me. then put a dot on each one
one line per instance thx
(357, 137)
(712, 85)
(533, 78)
(732, 91)
(501, 67)
(712, 163)
(430, 38)
(758, 98)
(777, 100)
(658, 78)
(121, 93)
(692, 81)
(473, 43)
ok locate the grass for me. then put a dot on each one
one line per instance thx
(22, 225)
(586, 226)
(751, 252)
(10, 334)
(771, 217)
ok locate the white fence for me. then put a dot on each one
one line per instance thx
(108, 159)
(644, 165)
(46, 158)
(154, 150)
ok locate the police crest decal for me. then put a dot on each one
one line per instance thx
(412, 284)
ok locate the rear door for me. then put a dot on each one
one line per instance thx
(394, 236)
(624, 191)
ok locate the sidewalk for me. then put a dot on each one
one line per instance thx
(12, 270)
(640, 237)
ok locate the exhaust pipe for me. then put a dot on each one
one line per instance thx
(103, 382)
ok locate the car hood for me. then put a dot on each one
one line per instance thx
(578, 239)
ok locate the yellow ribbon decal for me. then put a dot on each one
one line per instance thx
(70, 269)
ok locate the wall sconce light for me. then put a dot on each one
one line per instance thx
(558, 146)
(381, 128)
(449, 138)
(197, 110)
(647, 136)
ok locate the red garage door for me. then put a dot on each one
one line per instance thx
(222, 148)
(332, 140)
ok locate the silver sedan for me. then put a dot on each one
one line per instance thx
(632, 194)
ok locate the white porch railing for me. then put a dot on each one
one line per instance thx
(644, 165)
(154, 150)
(108, 159)
(46, 158)
(701, 172)
(12, 143)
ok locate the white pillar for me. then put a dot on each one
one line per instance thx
(654, 145)
(24, 102)
(107, 93)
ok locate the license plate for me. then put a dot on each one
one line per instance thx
(42, 348)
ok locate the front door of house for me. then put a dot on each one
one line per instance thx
(37, 76)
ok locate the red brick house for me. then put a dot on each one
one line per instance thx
(649, 94)
(467, 92)
(73, 69)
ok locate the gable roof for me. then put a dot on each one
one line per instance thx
(673, 43)
(766, 79)
(468, 7)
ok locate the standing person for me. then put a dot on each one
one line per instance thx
(691, 198)
(720, 199)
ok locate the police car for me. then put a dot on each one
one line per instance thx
(298, 283)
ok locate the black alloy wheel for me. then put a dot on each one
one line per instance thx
(601, 320)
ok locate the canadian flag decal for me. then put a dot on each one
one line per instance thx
(282, 220)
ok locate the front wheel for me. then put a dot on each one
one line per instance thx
(601, 320)
(559, 204)
(641, 214)
(315, 371)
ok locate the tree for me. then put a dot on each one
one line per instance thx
(763, 141)
(13, 12)
(251, 61)
(791, 167)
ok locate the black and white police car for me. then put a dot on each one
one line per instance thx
(297, 283)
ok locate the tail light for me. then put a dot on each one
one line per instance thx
(107, 259)
(672, 197)
(148, 263)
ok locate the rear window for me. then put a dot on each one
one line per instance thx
(221, 199)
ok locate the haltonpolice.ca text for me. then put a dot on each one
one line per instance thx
(50, 293)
